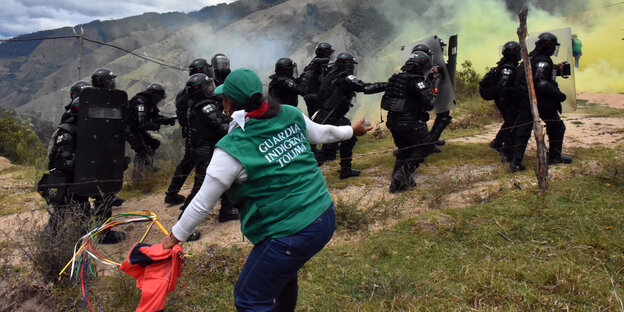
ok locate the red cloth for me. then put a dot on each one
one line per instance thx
(156, 271)
(258, 112)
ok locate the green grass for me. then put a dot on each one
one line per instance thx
(597, 110)
(566, 247)
(566, 244)
(21, 181)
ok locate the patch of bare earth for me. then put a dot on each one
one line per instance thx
(611, 100)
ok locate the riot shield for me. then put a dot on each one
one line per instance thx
(446, 96)
(100, 142)
(566, 85)
(451, 65)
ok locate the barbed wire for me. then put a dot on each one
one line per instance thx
(359, 155)
(38, 39)
(146, 58)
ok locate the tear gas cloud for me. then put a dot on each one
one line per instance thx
(483, 27)
(258, 54)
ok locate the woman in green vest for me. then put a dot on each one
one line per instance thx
(577, 49)
(268, 169)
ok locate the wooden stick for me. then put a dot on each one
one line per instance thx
(541, 170)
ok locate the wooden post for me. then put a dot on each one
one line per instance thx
(80, 45)
(541, 170)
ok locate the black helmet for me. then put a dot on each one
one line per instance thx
(221, 67)
(156, 91)
(200, 66)
(547, 44)
(200, 85)
(73, 109)
(422, 48)
(346, 62)
(103, 78)
(323, 50)
(546, 39)
(76, 88)
(220, 62)
(285, 67)
(419, 63)
(511, 49)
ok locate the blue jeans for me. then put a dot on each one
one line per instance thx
(577, 57)
(268, 281)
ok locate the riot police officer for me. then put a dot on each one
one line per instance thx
(207, 124)
(54, 187)
(142, 115)
(408, 98)
(221, 68)
(184, 168)
(506, 101)
(313, 74)
(284, 88)
(443, 119)
(104, 78)
(57, 188)
(336, 93)
(549, 98)
(74, 92)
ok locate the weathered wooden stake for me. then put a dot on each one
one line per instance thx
(80, 45)
(541, 170)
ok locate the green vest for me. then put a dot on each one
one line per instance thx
(576, 45)
(285, 190)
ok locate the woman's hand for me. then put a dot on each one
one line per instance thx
(170, 241)
(360, 128)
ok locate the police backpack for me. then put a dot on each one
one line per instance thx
(487, 85)
(393, 99)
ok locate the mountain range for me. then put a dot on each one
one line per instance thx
(35, 76)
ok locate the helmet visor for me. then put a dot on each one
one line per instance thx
(221, 62)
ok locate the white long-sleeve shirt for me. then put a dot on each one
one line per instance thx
(224, 170)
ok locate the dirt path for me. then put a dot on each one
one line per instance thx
(581, 130)
(611, 100)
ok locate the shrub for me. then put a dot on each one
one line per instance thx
(18, 141)
(466, 82)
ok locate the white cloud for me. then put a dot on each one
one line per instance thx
(26, 16)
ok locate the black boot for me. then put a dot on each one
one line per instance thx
(397, 186)
(560, 159)
(496, 144)
(174, 199)
(196, 235)
(401, 177)
(112, 237)
(516, 165)
(348, 172)
(227, 214)
(440, 123)
(115, 201)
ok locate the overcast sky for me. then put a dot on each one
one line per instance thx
(25, 16)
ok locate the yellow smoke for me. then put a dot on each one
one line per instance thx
(484, 26)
